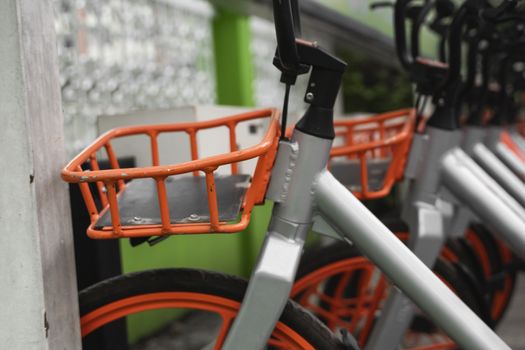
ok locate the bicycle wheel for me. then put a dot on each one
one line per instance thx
(189, 289)
(345, 290)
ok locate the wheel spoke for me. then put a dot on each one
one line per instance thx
(226, 324)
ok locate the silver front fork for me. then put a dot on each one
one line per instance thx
(292, 189)
(350, 217)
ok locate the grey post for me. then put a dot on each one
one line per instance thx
(37, 265)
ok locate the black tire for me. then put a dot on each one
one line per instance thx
(471, 272)
(335, 253)
(500, 270)
(205, 283)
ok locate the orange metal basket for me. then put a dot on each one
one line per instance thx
(369, 154)
(109, 187)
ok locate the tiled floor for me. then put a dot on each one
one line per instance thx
(512, 328)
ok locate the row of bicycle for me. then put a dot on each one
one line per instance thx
(458, 170)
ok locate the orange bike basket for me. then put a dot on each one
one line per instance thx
(111, 184)
(384, 137)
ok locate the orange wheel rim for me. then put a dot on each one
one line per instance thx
(503, 297)
(283, 337)
(481, 252)
(359, 309)
(357, 312)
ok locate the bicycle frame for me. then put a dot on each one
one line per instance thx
(443, 169)
(510, 159)
(305, 193)
(307, 189)
(488, 155)
(476, 144)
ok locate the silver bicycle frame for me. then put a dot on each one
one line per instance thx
(510, 159)
(494, 212)
(500, 173)
(520, 142)
(430, 166)
(441, 171)
(305, 188)
(495, 167)
(408, 273)
(509, 188)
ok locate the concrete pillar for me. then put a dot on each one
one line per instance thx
(38, 297)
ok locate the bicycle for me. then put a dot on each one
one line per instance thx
(299, 184)
(480, 241)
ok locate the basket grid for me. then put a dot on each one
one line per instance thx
(109, 184)
(370, 152)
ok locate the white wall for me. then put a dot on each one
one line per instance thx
(38, 296)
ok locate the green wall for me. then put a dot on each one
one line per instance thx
(233, 59)
(235, 75)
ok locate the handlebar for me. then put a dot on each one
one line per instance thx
(496, 12)
(416, 26)
(400, 33)
(287, 25)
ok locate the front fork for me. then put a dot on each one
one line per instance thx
(294, 175)
(269, 287)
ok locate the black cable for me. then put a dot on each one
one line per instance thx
(285, 111)
(419, 106)
(423, 105)
(417, 102)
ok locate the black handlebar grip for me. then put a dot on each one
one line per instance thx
(379, 4)
(285, 31)
(400, 8)
(445, 8)
(296, 15)
(495, 12)
(419, 20)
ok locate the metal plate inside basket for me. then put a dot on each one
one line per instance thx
(187, 200)
(348, 172)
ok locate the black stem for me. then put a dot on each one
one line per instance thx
(285, 111)
(417, 102)
(421, 106)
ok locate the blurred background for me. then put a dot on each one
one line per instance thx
(119, 56)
